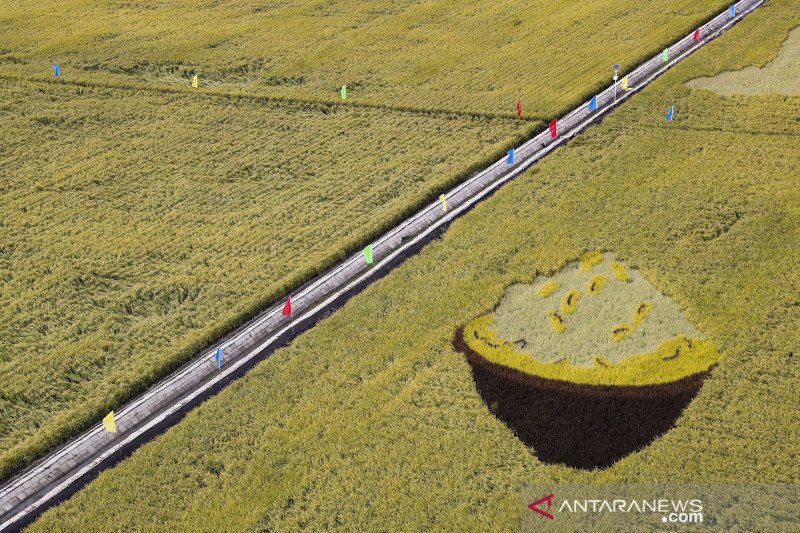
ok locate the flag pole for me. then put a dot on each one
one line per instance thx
(368, 258)
(218, 360)
(288, 311)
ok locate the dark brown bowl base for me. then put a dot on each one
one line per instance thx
(582, 426)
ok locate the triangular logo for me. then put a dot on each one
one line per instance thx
(535, 506)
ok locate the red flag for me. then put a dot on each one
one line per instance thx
(697, 34)
(287, 307)
(519, 108)
(554, 128)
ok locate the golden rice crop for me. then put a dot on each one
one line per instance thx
(556, 322)
(619, 271)
(136, 199)
(595, 284)
(523, 333)
(137, 227)
(641, 312)
(470, 55)
(620, 331)
(779, 76)
(590, 259)
(547, 288)
(569, 303)
(371, 420)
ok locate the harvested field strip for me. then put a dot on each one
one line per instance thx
(372, 421)
(142, 226)
(475, 57)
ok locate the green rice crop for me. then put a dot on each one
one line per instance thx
(371, 420)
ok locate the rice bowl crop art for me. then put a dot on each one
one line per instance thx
(588, 365)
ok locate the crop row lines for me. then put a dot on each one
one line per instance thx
(306, 103)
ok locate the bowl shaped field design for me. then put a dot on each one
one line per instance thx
(589, 365)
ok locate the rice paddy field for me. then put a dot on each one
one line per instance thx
(136, 230)
(371, 420)
(143, 218)
(469, 56)
(781, 76)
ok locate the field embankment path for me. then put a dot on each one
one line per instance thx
(58, 475)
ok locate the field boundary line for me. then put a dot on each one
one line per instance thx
(305, 103)
(59, 474)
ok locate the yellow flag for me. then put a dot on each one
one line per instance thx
(194, 81)
(109, 424)
(444, 202)
(625, 83)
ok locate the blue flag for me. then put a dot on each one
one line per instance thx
(218, 357)
(510, 159)
(732, 10)
(56, 70)
(669, 114)
(593, 104)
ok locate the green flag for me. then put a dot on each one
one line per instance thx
(344, 92)
(665, 56)
(368, 254)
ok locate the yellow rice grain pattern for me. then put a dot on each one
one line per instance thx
(570, 302)
(595, 284)
(556, 322)
(620, 272)
(620, 331)
(589, 260)
(641, 312)
(547, 288)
